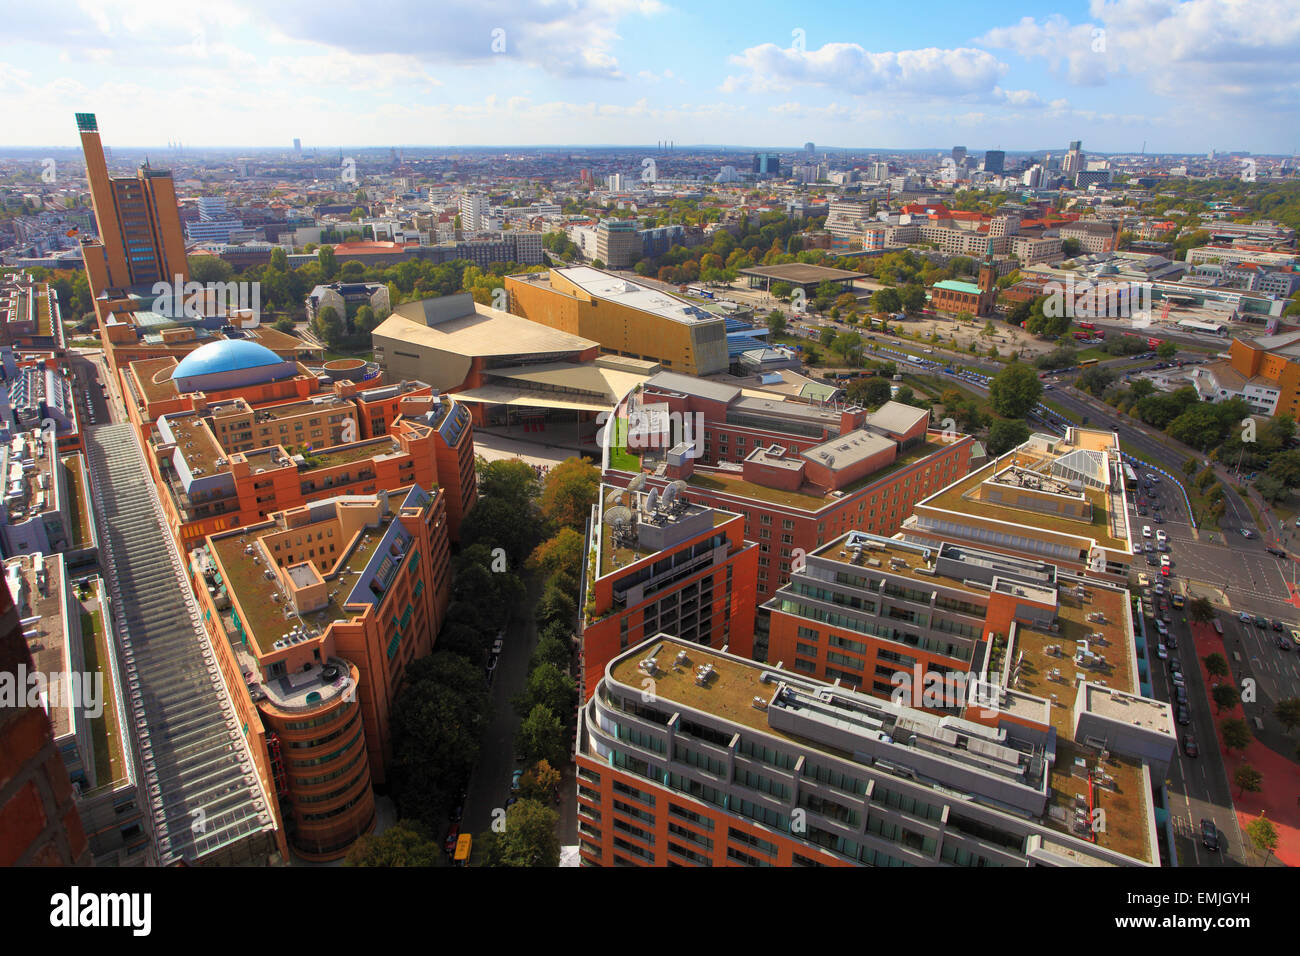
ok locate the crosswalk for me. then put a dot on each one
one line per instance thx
(198, 776)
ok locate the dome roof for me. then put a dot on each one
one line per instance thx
(225, 355)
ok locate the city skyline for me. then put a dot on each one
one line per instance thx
(619, 74)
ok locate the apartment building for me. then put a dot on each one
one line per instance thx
(689, 756)
(659, 561)
(1265, 371)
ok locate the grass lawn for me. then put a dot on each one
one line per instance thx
(332, 356)
(1068, 416)
(105, 734)
(619, 456)
(77, 513)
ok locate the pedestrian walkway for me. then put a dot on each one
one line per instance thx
(1280, 797)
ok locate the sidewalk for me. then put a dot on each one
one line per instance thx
(1280, 797)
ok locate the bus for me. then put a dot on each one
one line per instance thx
(697, 291)
(1153, 343)
(1086, 362)
(1087, 325)
(1130, 478)
(464, 843)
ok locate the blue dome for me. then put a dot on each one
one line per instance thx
(225, 355)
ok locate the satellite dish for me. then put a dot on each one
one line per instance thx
(613, 498)
(667, 497)
(652, 500)
(618, 517)
(637, 483)
(678, 488)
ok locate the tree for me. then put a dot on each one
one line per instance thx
(868, 392)
(1262, 835)
(550, 687)
(1225, 695)
(529, 839)
(1288, 712)
(1166, 350)
(209, 268)
(1286, 468)
(568, 492)
(284, 324)
(329, 266)
(541, 737)
(1200, 610)
(405, 843)
(1189, 467)
(1095, 380)
(1271, 488)
(329, 326)
(435, 727)
(886, 301)
(1247, 779)
(913, 298)
(1236, 735)
(775, 322)
(539, 783)
(561, 553)
(553, 650)
(1014, 391)
(1006, 434)
(1216, 665)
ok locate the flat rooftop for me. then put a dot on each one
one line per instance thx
(729, 694)
(196, 443)
(483, 332)
(634, 295)
(731, 483)
(800, 273)
(962, 497)
(40, 595)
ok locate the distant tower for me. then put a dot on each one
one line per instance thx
(810, 149)
(297, 146)
(988, 280)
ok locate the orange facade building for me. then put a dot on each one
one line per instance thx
(317, 612)
(664, 564)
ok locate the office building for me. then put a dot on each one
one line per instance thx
(799, 472)
(1092, 236)
(995, 161)
(959, 154)
(659, 561)
(1265, 371)
(316, 614)
(767, 166)
(618, 243)
(473, 213)
(689, 756)
(140, 240)
(624, 317)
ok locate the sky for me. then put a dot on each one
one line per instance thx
(1178, 75)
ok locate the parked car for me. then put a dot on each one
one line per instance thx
(1189, 745)
(1162, 652)
(1283, 644)
(514, 780)
(1158, 518)
(1146, 531)
(1278, 626)
(1276, 552)
(449, 844)
(1184, 717)
(1261, 621)
(1165, 561)
(1244, 617)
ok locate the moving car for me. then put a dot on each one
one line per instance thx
(1276, 552)
(449, 844)
(1209, 834)
(1178, 600)
(1247, 533)
(1283, 644)
(1189, 745)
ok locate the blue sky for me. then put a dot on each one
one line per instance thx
(1181, 75)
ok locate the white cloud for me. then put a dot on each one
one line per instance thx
(854, 69)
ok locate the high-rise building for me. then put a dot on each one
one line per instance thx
(959, 154)
(1072, 161)
(140, 240)
(473, 213)
(809, 149)
(297, 146)
(994, 161)
(767, 165)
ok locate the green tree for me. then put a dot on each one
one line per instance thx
(886, 301)
(1248, 780)
(869, 392)
(1014, 391)
(329, 266)
(1200, 610)
(550, 687)
(1006, 434)
(1216, 665)
(209, 268)
(541, 737)
(913, 296)
(405, 843)
(530, 837)
(284, 324)
(279, 260)
(1262, 835)
(1236, 735)
(1166, 350)
(1225, 695)
(329, 326)
(775, 322)
(1288, 713)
